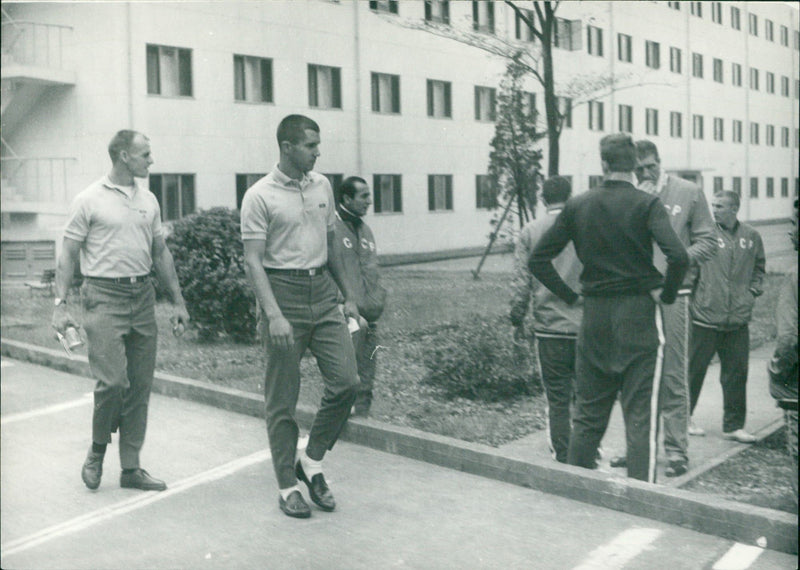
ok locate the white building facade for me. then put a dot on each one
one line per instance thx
(713, 84)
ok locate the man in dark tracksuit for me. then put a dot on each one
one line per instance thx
(620, 343)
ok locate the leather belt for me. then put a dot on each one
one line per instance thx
(296, 272)
(119, 280)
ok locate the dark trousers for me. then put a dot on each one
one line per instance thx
(365, 342)
(733, 348)
(620, 350)
(556, 358)
(309, 304)
(120, 326)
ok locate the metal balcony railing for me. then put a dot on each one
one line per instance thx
(34, 179)
(34, 43)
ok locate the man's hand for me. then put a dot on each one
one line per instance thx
(62, 319)
(656, 295)
(179, 318)
(351, 310)
(280, 333)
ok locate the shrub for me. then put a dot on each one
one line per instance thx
(477, 359)
(209, 258)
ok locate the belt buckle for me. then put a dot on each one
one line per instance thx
(312, 272)
(133, 279)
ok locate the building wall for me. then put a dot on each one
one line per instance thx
(215, 137)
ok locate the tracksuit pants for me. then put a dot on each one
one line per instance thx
(733, 348)
(556, 358)
(673, 403)
(120, 325)
(365, 342)
(309, 304)
(619, 354)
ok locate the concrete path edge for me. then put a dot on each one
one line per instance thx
(743, 523)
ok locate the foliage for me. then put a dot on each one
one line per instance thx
(209, 258)
(477, 360)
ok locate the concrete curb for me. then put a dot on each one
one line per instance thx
(707, 514)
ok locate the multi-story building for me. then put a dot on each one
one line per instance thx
(714, 84)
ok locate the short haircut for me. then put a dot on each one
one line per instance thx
(348, 186)
(732, 196)
(619, 152)
(646, 148)
(122, 141)
(556, 189)
(293, 128)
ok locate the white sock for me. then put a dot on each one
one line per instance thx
(288, 491)
(310, 466)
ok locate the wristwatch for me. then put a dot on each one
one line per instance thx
(59, 301)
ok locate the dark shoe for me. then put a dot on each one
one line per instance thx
(141, 479)
(295, 506)
(620, 461)
(317, 488)
(676, 468)
(92, 469)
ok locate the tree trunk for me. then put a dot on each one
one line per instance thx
(550, 101)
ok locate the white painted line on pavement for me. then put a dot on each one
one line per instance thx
(739, 557)
(83, 400)
(617, 553)
(132, 504)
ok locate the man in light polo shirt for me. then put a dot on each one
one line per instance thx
(287, 227)
(114, 230)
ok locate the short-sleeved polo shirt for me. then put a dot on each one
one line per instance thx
(292, 216)
(116, 227)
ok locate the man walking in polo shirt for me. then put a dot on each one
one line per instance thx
(287, 229)
(620, 341)
(114, 230)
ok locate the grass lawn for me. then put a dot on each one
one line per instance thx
(421, 306)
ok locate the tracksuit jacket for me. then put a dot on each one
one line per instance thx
(730, 281)
(783, 371)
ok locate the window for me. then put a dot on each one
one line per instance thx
(784, 187)
(483, 16)
(675, 5)
(784, 86)
(252, 79)
(753, 24)
(389, 6)
(440, 192)
(784, 36)
(387, 194)
(675, 60)
(651, 121)
(697, 9)
(770, 79)
(769, 30)
(737, 185)
(736, 15)
(336, 185)
(596, 119)
(521, 30)
(769, 135)
(770, 187)
(736, 74)
(625, 118)
(594, 40)
(716, 12)
(753, 133)
(754, 78)
(485, 192)
(529, 104)
(169, 71)
(175, 194)
(565, 109)
(697, 65)
(324, 87)
(719, 133)
(595, 180)
(567, 34)
(243, 182)
(439, 99)
(385, 93)
(697, 127)
(754, 187)
(718, 70)
(785, 137)
(736, 129)
(652, 58)
(437, 11)
(485, 103)
(717, 184)
(624, 48)
(675, 125)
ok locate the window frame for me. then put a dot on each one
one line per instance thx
(240, 82)
(625, 118)
(594, 40)
(596, 112)
(433, 193)
(651, 121)
(697, 65)
(675, 60)
(624, 48)
(485, 188)
(676, 124)
(652, 54)
(396, 189)
(376, 92)
(480, 112)
(444, 9)
(719, 129)
(157, 187)
(698, 127)
(447, 86)
(155, 80)
(314, 86)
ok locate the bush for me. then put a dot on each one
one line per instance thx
(478, 360)
(209, 258)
